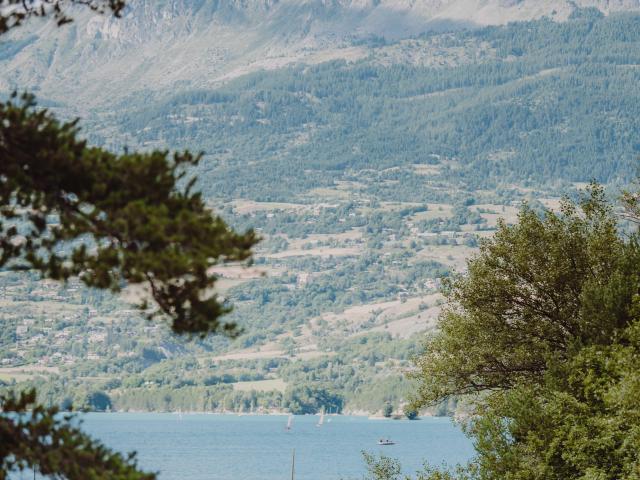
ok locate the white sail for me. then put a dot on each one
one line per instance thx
(321, 421)
(289, 421)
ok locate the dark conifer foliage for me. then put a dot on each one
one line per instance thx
(32, 436)
(111, 220)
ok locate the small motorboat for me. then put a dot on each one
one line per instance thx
(386, 441)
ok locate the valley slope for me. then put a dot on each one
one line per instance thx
(372, 146)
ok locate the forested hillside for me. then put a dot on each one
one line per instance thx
(369, 180)
(537, 103)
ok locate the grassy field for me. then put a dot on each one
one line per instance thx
(26, 372)
(427, 170)
(249, 206)
(329, 193)
(261, 385)
(18, 377)
(435, 210)
(508, 213)
(452, 256)
(322, 252)
(354, 235)
(405, 327)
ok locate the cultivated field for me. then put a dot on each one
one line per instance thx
(322, 252)
(26, 372)
(450, 255)
(261, 385)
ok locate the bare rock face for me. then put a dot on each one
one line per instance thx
(161, 44)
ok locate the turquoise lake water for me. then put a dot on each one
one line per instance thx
(225, 447)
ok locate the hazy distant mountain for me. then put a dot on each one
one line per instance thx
(198, 43)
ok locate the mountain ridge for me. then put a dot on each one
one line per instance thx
(173, 44)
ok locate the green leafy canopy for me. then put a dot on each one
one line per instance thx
(545, 326)
(535, 292)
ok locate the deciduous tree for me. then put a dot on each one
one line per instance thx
(545, 326)
(534, 293)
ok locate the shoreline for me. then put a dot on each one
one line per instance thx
(272, 414)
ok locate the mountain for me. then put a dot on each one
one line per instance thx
(200, 43)
(372, 145)
(537, 104)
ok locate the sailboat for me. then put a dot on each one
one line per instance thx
(321, 421)
(289, 422)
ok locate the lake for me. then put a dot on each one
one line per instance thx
(225, 447)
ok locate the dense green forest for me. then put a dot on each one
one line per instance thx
(543, 102)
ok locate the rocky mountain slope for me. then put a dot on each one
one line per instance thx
(178, 43)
